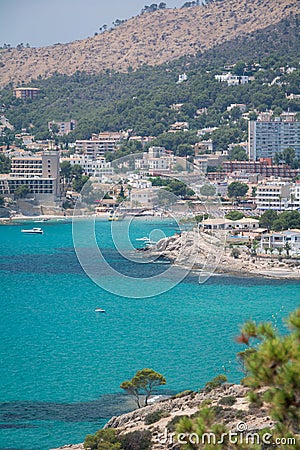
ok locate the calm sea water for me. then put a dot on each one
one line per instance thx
(62, 363)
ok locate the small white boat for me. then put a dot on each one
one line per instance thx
(33, 231)
(100, 310)
(41, 220)
(143, 239)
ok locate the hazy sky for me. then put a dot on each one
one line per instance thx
(47, 22)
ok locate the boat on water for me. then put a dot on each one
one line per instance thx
(114, 217)
(143, 239)
(33, 231)
(100, 310)
(41, 220)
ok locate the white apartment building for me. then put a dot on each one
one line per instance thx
(136, 181)
(99, 144)
(40, 174)
(268, 136)
(158, 160)
(143, 198)
(232, 80)
(294, 202)
(273, 195)
(97, 168)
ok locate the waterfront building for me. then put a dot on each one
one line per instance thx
(278, 240)
(244, 224)
(39, 173)
(143, 198)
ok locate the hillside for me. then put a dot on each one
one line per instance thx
(141, 100)
(151, 38)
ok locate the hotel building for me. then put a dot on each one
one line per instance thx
(39, 173)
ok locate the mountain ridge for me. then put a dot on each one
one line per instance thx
(147, 39)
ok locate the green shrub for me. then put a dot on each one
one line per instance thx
(171, 426)
(183, 394)
(103, 440)
(240, 414)
(136, 440)
(205, 402)
(215, 382)
(254, 399)
(155, 416)
(229, 400)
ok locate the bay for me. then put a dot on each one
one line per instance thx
(62, 363)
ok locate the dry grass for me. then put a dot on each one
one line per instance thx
(152, 39)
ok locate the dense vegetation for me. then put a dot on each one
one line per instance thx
(280, 221)
(141, 100)
(110, 439)
(4, 164)
(272, 365)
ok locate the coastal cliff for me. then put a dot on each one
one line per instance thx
(187, 404)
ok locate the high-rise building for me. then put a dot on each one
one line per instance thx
(268, 135)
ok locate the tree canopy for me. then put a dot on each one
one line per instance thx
(21, 191)
(237, 189)
(279, 221)
(143, 383)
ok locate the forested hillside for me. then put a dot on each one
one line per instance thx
(141, 100)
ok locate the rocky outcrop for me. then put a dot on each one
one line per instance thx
(209, 253)
(151, 38)
(187, 405)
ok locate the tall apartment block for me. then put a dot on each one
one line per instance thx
(268, 136)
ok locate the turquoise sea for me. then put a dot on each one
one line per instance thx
(62, 363)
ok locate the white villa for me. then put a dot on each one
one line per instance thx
(244, 224)
(280, 239)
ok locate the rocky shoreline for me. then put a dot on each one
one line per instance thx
(208, 254)
(187, 404)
